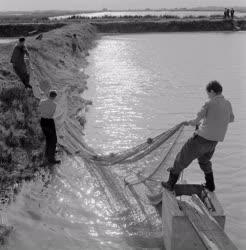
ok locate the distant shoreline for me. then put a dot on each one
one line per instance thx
(11, 16)
(173, 25)
(67, 12)
(129, 25)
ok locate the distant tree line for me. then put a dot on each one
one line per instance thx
(77, 17)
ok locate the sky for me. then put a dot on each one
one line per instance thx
(22, 5)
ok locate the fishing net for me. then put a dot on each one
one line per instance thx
(125, 177)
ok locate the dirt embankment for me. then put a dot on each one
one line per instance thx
(54, 66)
(27, 29)
(173, 25)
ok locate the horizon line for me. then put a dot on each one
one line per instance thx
(131, 9)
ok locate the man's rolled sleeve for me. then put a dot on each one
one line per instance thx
(200, 115)
(26, 51)
(53, 110)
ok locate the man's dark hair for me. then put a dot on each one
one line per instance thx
(22, 39)
(74, 35)
(53, 93)
(215, 86)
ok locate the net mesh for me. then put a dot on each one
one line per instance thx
(125, 177)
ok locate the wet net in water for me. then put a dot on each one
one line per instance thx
(124, 177)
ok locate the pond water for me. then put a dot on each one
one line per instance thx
(142, 84)
(7, 40)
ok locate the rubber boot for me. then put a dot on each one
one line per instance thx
(209, 182)
(173, 178)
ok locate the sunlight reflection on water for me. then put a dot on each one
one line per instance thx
(142, 84)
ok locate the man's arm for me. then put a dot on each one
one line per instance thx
(40, 106)
(200, 115)
(53, 110)
(232, 117)
(26, 51)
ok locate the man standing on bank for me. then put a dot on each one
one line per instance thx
(75, 44)
(47, 109)
(232, 13)
(18, 61)
(216, 115)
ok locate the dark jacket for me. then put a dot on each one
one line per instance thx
(18, 54)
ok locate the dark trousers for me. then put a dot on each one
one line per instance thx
(196, 147)
(49, 130)
(74, 47)
(23, 74)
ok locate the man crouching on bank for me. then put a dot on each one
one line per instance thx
(216, 115)
(47, 109)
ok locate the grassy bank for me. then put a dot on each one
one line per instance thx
(126, 24)
(21, 138)
(14, 30)
(172, 25)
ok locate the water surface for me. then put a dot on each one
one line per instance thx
(7, 40)
(142, 84)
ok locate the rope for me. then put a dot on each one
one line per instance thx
(161, 163)
(136, 153)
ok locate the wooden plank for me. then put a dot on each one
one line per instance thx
(206, 226)
(215, 210)
(218, 212)
(178, 232)
(218, 207)
(188, 189)
(185, 237)
(179, 190)
(170, 209)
